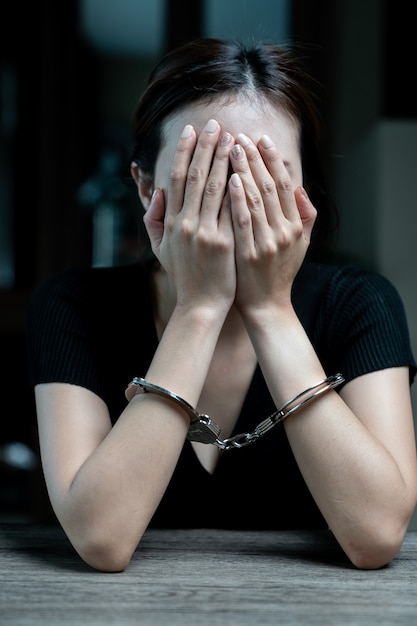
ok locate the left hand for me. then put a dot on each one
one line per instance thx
(272, 222)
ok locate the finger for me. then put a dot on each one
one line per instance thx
(179, 170)
(260, 184)
(282, 179)
(307, 211)
(154, 219)
(225, 215)
(241, 217)
(216, 185)
(253, 197)
(199, 168)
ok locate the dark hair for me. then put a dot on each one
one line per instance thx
(205, 69)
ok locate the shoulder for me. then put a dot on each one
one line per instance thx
(77, 322)
(349, 293)
(338, 284)
(350, 278)
(86, 299)
(359, 323)
(355, 293)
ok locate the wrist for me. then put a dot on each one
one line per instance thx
(208, 315)
(185, 351)
(261, 318)
(171, 305)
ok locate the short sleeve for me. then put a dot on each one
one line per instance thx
(92, 327)
(363, 325)
(58, 333)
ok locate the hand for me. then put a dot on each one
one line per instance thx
(272, 224)
(190, 228)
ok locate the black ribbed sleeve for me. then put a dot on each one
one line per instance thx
(361, 325)
(92, 327)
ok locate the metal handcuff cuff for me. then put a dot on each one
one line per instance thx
(204, 430)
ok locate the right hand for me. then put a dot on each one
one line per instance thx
(190, 225)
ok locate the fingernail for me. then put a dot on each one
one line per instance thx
(211, 126)
(303, 191)
(235, 180)
(266, 141)
(243, 140)
(237, 151)
(186, 133)
(226, 139)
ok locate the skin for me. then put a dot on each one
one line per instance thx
(230, 248)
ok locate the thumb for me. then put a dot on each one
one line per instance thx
(307, 211)
(154, 219)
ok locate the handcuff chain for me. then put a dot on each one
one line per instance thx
(245, 439)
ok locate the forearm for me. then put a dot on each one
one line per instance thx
(115, 492)
(354, 479)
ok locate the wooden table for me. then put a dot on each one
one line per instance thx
(199, 577)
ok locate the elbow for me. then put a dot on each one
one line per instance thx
(105, 544)
(105, 558)
(371, 557)
(375, 549)
(373, 541)
(106, 554)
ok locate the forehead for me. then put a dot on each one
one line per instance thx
(251, 116)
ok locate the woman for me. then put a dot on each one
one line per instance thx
(234, 319)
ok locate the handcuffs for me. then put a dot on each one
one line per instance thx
(203, 429)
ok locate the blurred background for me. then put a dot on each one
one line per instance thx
(70, 74)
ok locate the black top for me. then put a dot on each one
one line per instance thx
(94, 327)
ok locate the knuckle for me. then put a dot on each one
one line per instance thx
(267, 187)
(285, 184)
(244, 222)
(207, 140)
(169, 224)
(298, 229)
(176, 175)
(285, 238)
(194, 175)
(222, 245)
(187, 229)
(206, 241)
(274, 156)
(221, 155)
(254, 201)
(181, 152)
(213, 187)
(252, 155)
(250, 257)
(269, 248)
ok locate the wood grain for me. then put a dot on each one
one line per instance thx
(201, 577)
